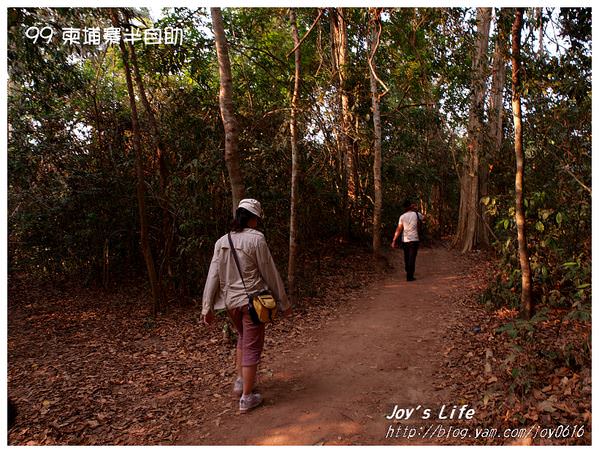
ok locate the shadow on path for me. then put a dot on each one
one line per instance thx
(382, 351)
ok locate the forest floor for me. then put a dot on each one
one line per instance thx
(90, 368)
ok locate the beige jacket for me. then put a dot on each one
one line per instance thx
(224, 288)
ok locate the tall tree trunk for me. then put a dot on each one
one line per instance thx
(469, 215)
(375, 35)
(482, 224)
(163, 200)
(137, 146)
(497, 87)
(226, 109)
(539, 13)
(526, 300)
(294, 162)
(344, 141)
(495, 114)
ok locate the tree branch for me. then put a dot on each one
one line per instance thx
(377, 23)
(320, 11)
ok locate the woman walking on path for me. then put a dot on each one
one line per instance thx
(226, 289)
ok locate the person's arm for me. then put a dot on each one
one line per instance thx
(210, 288)
(398, 231)
(271, 275)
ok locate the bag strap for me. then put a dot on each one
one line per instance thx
(418, 224)
(236, 261)
(252, 312)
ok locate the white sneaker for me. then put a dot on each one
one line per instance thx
(249, 402)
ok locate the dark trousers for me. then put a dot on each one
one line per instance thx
(410, 250)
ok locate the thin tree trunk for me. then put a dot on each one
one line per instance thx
(137, 146)
(343, 64)
(376, 119)
(469, 215)
(294, 162)
(163, 201)
(226, 109)
(539, 12)
(526, 295)
(346, 154)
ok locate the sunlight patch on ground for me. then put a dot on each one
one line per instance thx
(310, 425)
(507, 313)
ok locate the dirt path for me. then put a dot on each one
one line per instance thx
(384, 350)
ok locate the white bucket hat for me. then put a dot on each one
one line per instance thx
(251, 205)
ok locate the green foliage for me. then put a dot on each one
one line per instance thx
(522, 334)
(71, 178)
(560, 261)
(523, 328)
(66, 200)
(557, 178)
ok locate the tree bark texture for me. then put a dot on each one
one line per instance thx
(539, 14)
(496, 113)
(526, 300)
(137, 146)
(340, 60)
(375, 34)
(294, 161)
(226, 109)
(469, 214)
(494, 139)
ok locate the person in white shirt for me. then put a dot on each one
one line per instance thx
(226, 289)
(407, 232)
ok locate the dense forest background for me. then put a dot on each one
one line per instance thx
(77, 160)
